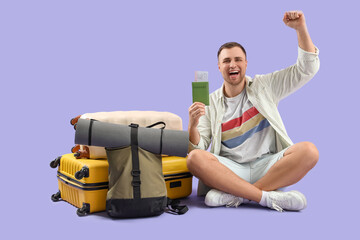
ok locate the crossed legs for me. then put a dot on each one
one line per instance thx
(297, 161)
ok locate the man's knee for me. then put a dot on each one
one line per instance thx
(310, 154)
(198, 160)
(194, 158)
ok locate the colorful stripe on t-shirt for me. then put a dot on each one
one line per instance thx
(238, 130)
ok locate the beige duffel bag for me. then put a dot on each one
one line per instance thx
(143, 118)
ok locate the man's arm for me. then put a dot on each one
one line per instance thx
(296, 20)
(286, 81)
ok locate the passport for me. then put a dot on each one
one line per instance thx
(200, 92)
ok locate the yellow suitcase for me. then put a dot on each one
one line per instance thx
(84, 182)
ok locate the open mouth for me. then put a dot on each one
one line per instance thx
(234, 73)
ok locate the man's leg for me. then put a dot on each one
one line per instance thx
(206, 167)
(297, 161)
(292, 167)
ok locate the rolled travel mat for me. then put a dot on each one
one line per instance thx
(96, 133)
(143, 118)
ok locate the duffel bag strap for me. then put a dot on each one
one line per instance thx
(135, 161)
(157, 123)
(174, 207)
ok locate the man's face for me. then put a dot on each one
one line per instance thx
(232, 65)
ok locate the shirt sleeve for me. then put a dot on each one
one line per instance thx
(286, 81)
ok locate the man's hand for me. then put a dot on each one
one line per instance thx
(295, 20)
(196, 110)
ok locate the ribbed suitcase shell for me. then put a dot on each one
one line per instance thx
(89, 193)
(98, 169)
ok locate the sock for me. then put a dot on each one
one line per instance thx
(263, 201)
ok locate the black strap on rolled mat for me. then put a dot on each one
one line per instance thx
(174, 207)
(162, 130)
(90, 131)
(135, 161)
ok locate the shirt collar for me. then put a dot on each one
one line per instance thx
(222, 96)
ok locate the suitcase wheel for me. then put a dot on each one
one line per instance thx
(55, 162)
(84, 210)
(56, 197)
(84, 172)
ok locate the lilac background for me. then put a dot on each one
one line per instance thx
(63, 58)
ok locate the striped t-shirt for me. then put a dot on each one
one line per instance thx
(246, 135)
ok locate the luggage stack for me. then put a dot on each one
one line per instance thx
(83, 174)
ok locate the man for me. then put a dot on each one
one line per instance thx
(251, 154)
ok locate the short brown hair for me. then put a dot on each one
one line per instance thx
(230, 45)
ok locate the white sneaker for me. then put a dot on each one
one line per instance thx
(280, 201)
(216, 198)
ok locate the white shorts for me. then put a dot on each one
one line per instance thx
(252, 171)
